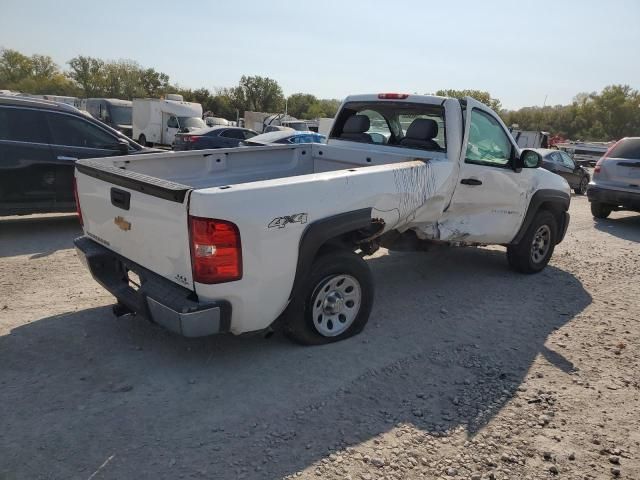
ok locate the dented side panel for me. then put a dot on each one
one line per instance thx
(272, 217)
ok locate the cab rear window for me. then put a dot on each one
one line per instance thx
(401, 124)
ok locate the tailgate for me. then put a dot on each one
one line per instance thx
(627, 171)
(142, 218)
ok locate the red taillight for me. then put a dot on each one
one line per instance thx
(599, 162)
(190, 138)
(216, 253)
(77, 199)
(392, 96)
(598, 166)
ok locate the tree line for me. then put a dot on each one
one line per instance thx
(607, 115)
(610, 114)
(89, 77)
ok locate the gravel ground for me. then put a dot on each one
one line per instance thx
(466, 370)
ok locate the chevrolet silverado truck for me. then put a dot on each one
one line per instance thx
(253, 238)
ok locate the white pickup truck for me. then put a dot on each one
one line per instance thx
(248, 239)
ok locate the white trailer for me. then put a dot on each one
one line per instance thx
(530, 138)
(156, 121)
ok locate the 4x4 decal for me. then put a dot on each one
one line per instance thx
(281, 222)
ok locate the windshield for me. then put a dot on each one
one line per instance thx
(120, 114)
(191, 122)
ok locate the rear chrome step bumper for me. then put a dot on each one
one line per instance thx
(158, 299)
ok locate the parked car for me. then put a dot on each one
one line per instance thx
(111, 111)
(40, 141)
(256, 238)
(562, 164)
(214, 137)
(616, 179)
(287, 137)
(215, 121)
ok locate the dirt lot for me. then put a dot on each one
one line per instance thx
(466, 370)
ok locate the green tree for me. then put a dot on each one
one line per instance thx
(608, 115)
(89, 73)
(222, 105)
(328, 108)
(43, 66)
(154, 84)
(257, 93)
(299, 103)
(14, 67)
(37, 74)
(480, 95)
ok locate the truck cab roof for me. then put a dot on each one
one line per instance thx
(405, 97)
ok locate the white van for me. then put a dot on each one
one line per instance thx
(156, 121)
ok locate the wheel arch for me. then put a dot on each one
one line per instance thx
(334, 232)
(555, 201)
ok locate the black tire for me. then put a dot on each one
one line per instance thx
(142, 140)
(523, 257)
(600, 210)
(581, 189)
(298, 320)
(119, 310)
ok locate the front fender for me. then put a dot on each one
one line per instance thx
(557, 201)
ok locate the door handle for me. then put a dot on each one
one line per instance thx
(62, 157)
(470, 181)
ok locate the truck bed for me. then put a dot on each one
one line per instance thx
(232, 166)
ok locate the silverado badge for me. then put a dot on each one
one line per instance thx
(122, 223)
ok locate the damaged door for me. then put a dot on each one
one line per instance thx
(489, 200)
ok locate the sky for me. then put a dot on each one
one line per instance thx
(520, 51)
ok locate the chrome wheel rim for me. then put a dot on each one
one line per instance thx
(336, 303)
(541, 243)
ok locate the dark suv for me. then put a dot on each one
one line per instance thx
(39, 144)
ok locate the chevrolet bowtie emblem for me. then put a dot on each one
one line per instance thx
(122, 223)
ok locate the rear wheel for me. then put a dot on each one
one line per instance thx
(582, 188)
(142, 140)
(600, 210)
(334, 302)
(534, 251)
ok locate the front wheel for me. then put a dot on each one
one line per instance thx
(534, 251)
(333, 303)
(600, 210)
(582, 188)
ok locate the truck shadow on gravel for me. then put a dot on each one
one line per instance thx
(451, 337)
(37, 236)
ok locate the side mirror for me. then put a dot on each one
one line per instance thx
(527, 159)
(123, 147)
(531, 159)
